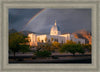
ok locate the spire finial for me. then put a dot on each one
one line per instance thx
(55, 22)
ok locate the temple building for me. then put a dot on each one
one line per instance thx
(55, 35)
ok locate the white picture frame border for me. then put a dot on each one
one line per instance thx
(6, 4)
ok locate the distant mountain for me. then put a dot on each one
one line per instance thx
(12, 31)
(26, 32)
(84, 35)
(23, 32)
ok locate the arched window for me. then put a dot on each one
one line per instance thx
(38, 39)
(51, 39)
(42, 41)
(45, 39)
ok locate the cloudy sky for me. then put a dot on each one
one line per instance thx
(41, 20)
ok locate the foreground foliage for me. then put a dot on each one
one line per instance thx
(43, 53)
(73, 48)
(17, 42)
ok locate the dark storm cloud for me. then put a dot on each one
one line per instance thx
(19, 17)
(69, 20)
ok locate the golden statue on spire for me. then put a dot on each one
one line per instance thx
(55, 22)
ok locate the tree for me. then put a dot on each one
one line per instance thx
(45, 46)
(72, 48)
(24, 48)
(80, 49)
(64, 48)
(68, 48)
(39, 47)
(43, 53)
(48, 47)
(70, 42)
(87, 47)
(56, 44)
(15, 42)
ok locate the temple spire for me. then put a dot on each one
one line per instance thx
(55, 22)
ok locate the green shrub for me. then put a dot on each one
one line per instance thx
(43, 53)
(72, 48)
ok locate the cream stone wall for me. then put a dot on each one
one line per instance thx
(67, 36)
(41, 37)
(49, 37)
(32, 39)
(35, 39)
(56, 37)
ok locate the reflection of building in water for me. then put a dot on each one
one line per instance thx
(55, 35)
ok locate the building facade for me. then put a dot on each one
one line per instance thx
(55, 35)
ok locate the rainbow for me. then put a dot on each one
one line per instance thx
(33, 18)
